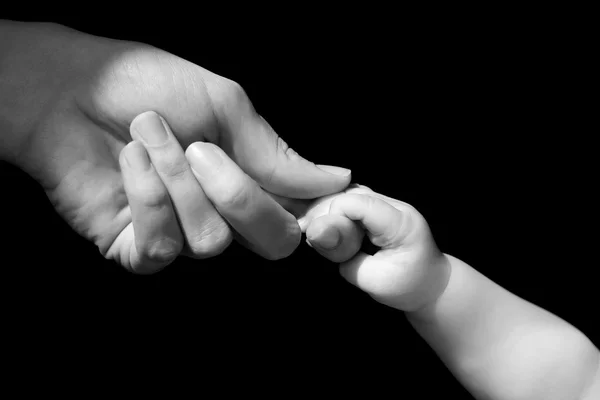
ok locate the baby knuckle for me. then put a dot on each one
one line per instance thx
(370, 202)
(339, 201)
(355, 188)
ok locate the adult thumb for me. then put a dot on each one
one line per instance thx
(267, 158)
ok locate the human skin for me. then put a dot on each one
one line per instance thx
(76, 111)
(498, 345)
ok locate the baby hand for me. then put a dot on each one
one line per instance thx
(408, 272)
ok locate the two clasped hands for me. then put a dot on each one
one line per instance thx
(195, 201)
(150, 156)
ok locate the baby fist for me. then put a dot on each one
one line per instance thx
(408, 272)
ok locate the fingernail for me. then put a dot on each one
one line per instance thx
(151, 128)
(328, 239)
(204, 159)
(335, 170)
(136, 157)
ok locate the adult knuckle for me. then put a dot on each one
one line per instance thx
(236, 197)
(163, 250)
(211, 241)
(173, 170)
(209, 247)
(234, 92)
(228, 96)
(154, 197)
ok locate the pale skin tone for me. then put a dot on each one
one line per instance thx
(498, 346)
(79, 114)
(103, 125)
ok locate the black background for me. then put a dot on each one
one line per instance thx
(470, 124)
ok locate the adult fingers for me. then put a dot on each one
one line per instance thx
(157, 239)
(266, 226)
(205, 231)
(263, 155)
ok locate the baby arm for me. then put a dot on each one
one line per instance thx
(496, 344)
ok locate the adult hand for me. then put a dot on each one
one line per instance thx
(102, 125)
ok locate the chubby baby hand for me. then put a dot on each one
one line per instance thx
(408, 272)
